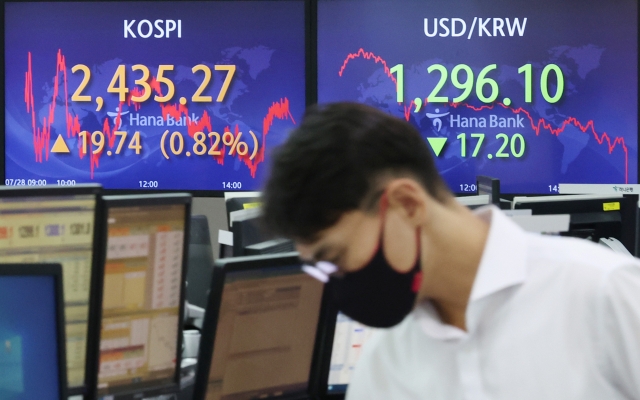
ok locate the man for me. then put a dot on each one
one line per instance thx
(476, 307)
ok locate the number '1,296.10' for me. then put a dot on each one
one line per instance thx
(486, 88)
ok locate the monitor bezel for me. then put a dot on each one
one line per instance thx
(95, 301)
(326, 347)
(54, 270)
(193, 296)
(310, 89)
(239, 203)
(136, 391)
(207, 343)
(494, 188)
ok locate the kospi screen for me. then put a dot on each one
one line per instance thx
(159, 95)
(533, 93)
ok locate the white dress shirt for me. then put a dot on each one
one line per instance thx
(548, 318)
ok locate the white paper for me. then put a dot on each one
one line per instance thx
(513, 213)
(225, 237)
(244, 214)
(481, 200)
(543, 223)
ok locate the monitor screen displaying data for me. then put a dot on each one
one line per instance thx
(169, 95)
(56, 229)
(141, 299)
(265, 335)
(348, 339)
(532, 93)
(29, 367)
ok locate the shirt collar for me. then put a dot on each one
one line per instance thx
(503, 260)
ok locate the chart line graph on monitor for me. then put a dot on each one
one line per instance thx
(42, 129)
(539, 125)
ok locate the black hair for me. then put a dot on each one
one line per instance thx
(330, 163)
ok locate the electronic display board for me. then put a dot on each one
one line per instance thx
(533, 93)
(140, 95)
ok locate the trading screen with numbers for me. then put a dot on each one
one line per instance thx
(533, 93)
(163, 95)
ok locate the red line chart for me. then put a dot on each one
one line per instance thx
(537, 125)
(367, 55)
(42, 132)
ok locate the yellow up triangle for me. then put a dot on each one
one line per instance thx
(437, 143)
(60, 146)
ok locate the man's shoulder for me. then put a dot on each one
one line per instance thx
(567, 255)
(572, 268)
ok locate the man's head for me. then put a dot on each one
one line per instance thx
(334, 168)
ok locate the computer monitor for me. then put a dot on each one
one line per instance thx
(61, 225)
(247, 229)
(490, 186)
(348, 338)
(236, 202)
(340, 345)
(251, 237)
(143, 295)
(32, 339)
(241, 201)
(259, 334)
(592, 216)
(273, 246)
(474, 202)
(200, 266)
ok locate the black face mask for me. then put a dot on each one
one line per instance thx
(377, 295)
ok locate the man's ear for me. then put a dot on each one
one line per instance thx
(405, 210)
(406, 197)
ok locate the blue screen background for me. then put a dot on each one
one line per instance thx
(28, 338)
(594, 43)
(264, 39)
